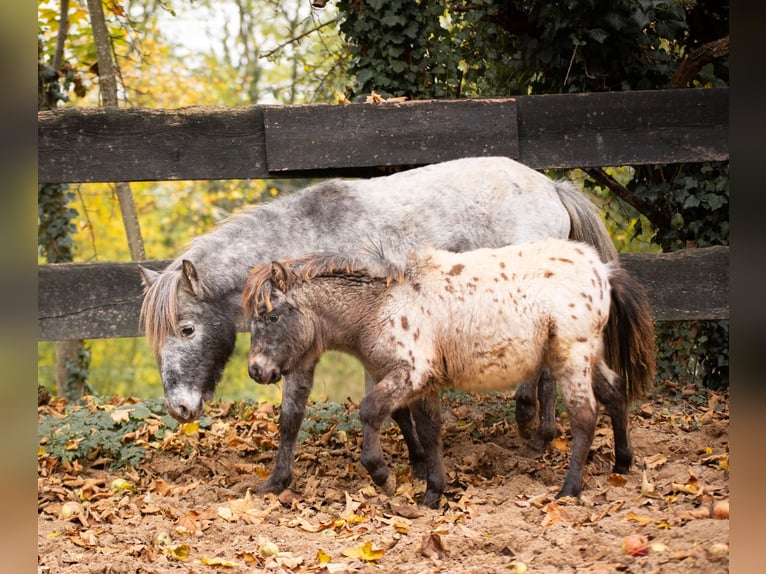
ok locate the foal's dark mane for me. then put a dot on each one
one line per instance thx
(259, 284)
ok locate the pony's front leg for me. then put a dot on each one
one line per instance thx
(373, 410)
(428, 420)
(295, 394)
(403, 419)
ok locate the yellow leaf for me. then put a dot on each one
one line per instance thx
(642, 520)
(190, 428)
(364, 552)
(218, 562)
(323, 557)
(177, 552)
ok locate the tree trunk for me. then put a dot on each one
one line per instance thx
(107, 81)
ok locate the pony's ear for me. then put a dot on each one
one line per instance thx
(280, 276)
(148, 276)
(190, 277)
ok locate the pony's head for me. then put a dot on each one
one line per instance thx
(192, 331)
(280, 334)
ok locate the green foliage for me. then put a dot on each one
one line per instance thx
(399, 47)
(322, 418)
(694, 352)
(93, 428)
(55, 225)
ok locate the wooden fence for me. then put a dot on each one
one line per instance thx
(99, 300)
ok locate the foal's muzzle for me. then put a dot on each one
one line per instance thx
(262, 375)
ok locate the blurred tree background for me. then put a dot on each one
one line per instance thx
(173, 53)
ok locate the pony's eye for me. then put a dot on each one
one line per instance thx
(187, 330)
(272, 318)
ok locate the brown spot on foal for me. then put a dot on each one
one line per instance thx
(456, 269)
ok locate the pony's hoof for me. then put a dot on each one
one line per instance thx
(431, 499)
(420, 470)
(274, 486)
(389, 487)
(533, 448)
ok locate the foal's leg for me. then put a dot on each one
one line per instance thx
(373, 410)
(411, 434)
(403, 418)
(526, 408)
(428, 418)
(611, 391)
(546, 429)
(575, 378)
(295, 394)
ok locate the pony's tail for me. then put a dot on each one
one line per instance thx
(629, 344)
(586, 223)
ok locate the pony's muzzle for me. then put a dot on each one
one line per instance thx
(184, 413)
(262, 375)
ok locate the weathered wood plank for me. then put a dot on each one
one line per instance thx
(406, 133)
(570, 130)
(134, 144)
(624, 128)
(684, 285)
(90, 300)
(102, 300)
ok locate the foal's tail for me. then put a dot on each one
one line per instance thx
(586, 223)
(629, 346)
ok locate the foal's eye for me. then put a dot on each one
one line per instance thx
(272, 318)
(187, 330)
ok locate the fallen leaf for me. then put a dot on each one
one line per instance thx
(560, 443)
(554, 512)
(431, 546)
(617, 479)
(365, 552)
(120, 416)
(642, 520)
(323, 557)
(177, 552)
(406, 510)
(218, 562)
(655, 461)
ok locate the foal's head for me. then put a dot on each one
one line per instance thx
(281, 334)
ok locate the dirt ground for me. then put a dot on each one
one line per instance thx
(193, 507)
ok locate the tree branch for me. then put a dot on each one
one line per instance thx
(694, 62)
(642, 206)
(299, 37)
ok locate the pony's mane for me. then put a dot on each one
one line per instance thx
(159, 308)
(259, 286)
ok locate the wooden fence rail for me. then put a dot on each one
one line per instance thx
(99, 300)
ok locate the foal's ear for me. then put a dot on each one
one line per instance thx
(280, 276)
(148, 276)
(190, 277)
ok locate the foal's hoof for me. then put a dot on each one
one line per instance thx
(274, 486)
(389, 487)
(533, 448)
(431, 499)
(420, 470)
